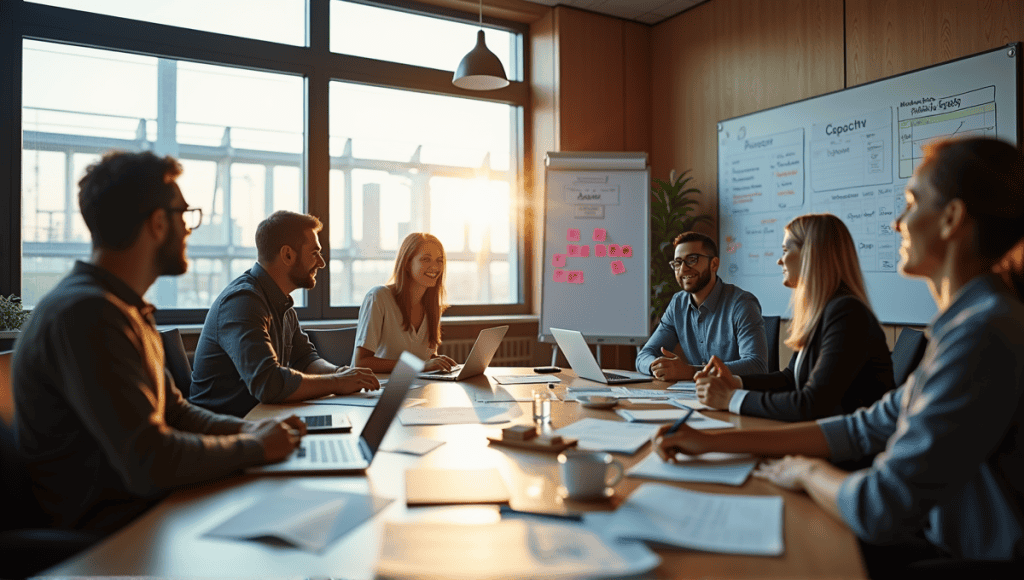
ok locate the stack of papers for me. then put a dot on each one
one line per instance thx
(733, 524)
(614, 436)
(696, 420)
(497, 413)
(524, 379)
(727, 468)
(308, 519)
(516, 548)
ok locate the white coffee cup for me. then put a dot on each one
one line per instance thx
(585, 473)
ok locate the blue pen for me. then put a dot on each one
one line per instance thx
(679, 423)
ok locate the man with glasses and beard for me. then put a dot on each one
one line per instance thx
(252, 349)
(709, 317)
(100, 424)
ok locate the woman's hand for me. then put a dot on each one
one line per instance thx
(716, 386)
(685, 440)
(439, 362)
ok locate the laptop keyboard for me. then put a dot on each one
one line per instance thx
(327, 451)
(613, 376)
(318, 421)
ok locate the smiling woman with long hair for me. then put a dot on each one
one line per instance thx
(405, 315)
(841, 360)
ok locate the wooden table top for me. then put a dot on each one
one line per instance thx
(169, 539)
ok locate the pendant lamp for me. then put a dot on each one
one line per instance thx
(480, 69)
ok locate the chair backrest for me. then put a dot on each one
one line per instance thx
(20, 509)
(335, 345)
(907, 354)
(6, 393)
(771, 331)
(176, 360)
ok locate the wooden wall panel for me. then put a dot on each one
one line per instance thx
(886, 38)
(637, 116)
(727, 58)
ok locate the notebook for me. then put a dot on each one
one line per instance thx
(583, 362)
(348, 452)
(326, 423)
(487, 343)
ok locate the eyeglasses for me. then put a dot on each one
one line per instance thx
(690, 260)
(193, 216)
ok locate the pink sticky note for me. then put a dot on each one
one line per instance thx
(561, 276)
(626, 251)
(573, 249)
(573, 235)
(584, 251)
(575, 276)
(613, 250)
(618, 267)
(600, 250)
(600, 234)
(558, 260)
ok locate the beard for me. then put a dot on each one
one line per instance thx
(171, 258)
(301, 277)
(703, 279)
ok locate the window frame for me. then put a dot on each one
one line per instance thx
(20, 20)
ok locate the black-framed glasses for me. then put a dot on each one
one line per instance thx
(690, 260)
(193, 216)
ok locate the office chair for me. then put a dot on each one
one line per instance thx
(771, 331)
(176, 360)
(907, 354)
(335, 345)
(27, 545)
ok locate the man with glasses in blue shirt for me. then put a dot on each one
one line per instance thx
(709, 317)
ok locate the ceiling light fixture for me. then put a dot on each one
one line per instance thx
(480, 69)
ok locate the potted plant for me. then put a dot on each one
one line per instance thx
(673, 211)
(11, 314)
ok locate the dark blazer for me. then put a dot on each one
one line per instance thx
(847, 366)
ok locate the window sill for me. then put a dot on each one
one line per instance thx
(195, 329)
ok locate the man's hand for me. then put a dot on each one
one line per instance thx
(715, 386)
(439, 362)
(671, 368)
(686, 440)
(790, 472)
(278, 438)
(348, 380)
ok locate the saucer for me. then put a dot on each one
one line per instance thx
(597, 401)
(564, 494)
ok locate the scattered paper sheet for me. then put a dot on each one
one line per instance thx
(727, 468)
(615, 436)
(697, 421)
(515, 548)
(309, 519)
(733, 524)
(688, 403)
(571, 394)
(454, 486)
(646, 393)
(524, 379)
(361, 399)
(414, 446)
(502, 396)
(684, 386)
(496, 413)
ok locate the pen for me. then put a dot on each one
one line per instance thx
(679, 422)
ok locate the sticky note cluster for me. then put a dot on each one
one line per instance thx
(573, 249)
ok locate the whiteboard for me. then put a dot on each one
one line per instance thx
(850, 153)
(596, 247)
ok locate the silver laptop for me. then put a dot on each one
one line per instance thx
(326, 422)
(577, 352)
(487, 343)
(348, 452)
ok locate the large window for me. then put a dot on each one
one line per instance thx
(405, 151)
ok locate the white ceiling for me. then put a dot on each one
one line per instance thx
(645, 11)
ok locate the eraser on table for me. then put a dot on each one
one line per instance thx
(519, 432)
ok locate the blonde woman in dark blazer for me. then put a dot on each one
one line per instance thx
(841, 360)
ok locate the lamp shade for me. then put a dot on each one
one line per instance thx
(480, 69)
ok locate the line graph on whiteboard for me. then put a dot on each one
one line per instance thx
(923, 120)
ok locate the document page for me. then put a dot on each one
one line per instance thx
(733, 524)
(696, 420)
(726, 468)
(614, 436)
(493, 413)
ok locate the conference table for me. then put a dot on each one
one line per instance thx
(169, 540)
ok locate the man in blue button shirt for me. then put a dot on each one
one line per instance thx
(709, 317)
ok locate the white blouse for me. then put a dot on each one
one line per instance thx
(380, 328)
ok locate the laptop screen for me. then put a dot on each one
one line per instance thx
(384, 412)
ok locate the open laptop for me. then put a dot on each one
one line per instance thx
(487, 343)
(326, 423)
(348, 452)
(583, 362)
